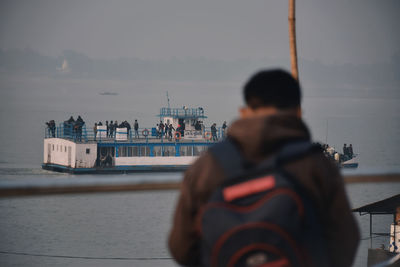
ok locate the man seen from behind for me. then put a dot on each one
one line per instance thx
(270, 119)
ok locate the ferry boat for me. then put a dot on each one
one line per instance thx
(83, 151)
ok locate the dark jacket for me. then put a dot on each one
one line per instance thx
(259, 138)
(213, 129)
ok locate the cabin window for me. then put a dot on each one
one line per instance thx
(185, 151)
(144, 151)
(158, 151)
(122, 151)
(87, 150)
(131, 151)
(135, 151)
(198, 150)
(53, 147)
(164, 151)
(65, 150)
(169, 151)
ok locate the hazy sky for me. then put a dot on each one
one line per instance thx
(332, 31)
(360, 102)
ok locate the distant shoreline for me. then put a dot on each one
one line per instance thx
(371, 178)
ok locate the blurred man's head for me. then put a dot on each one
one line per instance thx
(269, 92)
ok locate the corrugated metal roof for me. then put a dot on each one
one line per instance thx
(386, 206)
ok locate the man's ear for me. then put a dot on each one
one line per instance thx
(245, 112)
(299, 112)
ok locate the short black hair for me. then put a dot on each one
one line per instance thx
(276, 88)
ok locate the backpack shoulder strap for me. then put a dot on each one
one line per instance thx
(290, 151)
(296, 149)
(228, 156)
(232, 162)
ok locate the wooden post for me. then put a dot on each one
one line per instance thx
(89, 185)
(370, 230)
(292, 39)
(395, 225)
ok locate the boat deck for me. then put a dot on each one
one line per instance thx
(112, 141)
(89, 136)
(152, 140)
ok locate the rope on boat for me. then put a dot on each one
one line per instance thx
(372, 237)
(83, 257)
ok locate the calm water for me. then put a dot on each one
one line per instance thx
(132, 228)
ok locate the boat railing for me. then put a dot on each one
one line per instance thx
(68, 131)
(182, 112)
(83, 134)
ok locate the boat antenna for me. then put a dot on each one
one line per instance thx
(326, 133)
(169, 108)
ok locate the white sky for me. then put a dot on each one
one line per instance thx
(339, 31)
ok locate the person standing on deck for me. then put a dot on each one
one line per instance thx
(107, 128)
(166, 130)
(214, 132)
(69, 127)
(270, 119)
(170, 128)
(350, 151)
(160, 129)
(95, 130)
(183, 128)
(51, 128)
(111, 129)
(345, 151)
(128, 129)
(224, 129)
(136, 127)
(79, 125)
(115, 128)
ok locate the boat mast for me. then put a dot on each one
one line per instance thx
(326, 133)
(169, 108)
(292, 39)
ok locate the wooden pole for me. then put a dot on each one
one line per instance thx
(292, 39)
(45, 186)
(397, 220)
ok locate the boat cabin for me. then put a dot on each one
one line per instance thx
(188, 121)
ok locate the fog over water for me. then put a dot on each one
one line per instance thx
(117, 60)
(371, 124)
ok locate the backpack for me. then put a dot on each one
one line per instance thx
(260, 215)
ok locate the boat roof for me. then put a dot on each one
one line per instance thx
(385, 206)
(182, 113)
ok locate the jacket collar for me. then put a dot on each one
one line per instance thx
(259, 137)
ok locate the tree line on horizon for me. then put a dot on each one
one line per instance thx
(28, 61)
